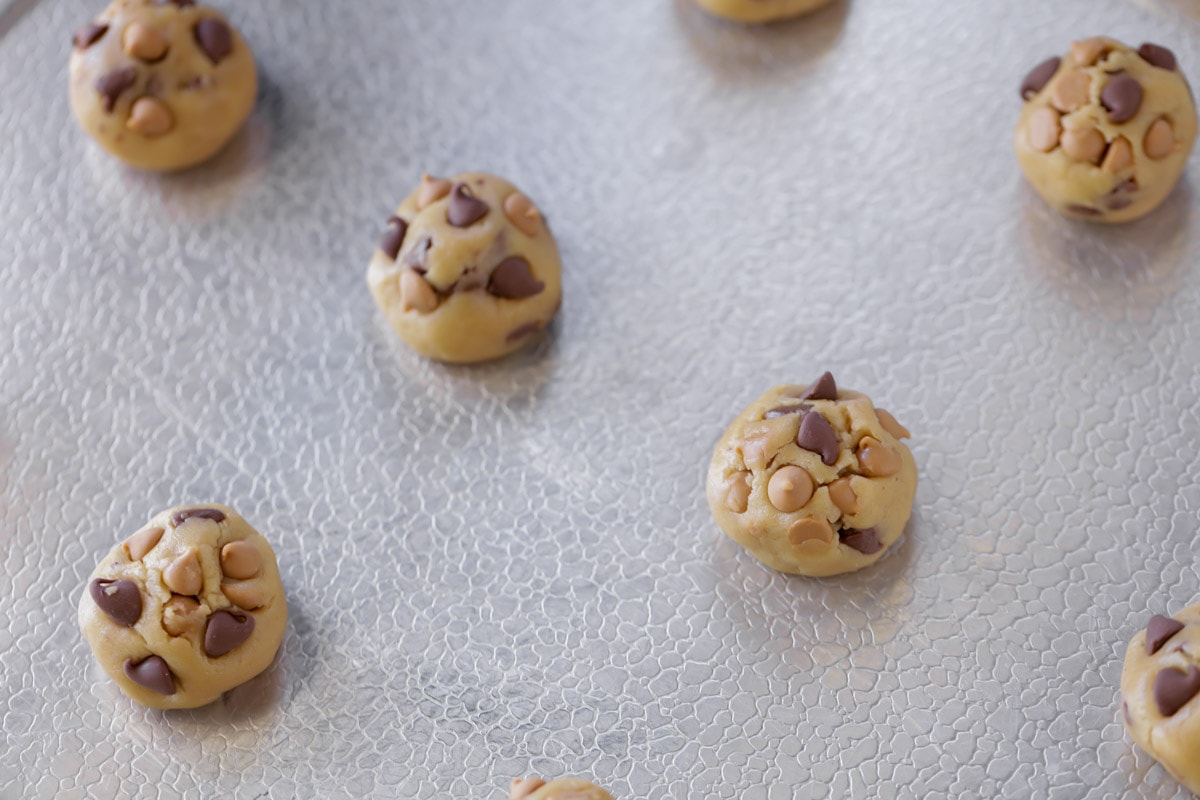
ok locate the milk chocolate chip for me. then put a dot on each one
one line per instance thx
(181, 517)
(824, 389)
(112, 85)
(226, 631)
(865, 542)
(1158, 55)
(121, 600)
(88, 35)
(783, 411)
(513, 280)
(1173, 689)
(465, 208)
(1159, 630)
(151, 673)
(818, 436)
(214, 39)
(1038, 77)
(1122, 97)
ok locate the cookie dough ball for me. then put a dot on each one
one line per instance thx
(185, 609)
(760, 10)
(561, 789)
(161, 84)
(467, 269)
(813, 480)
(1106, 130)
(1160, 686)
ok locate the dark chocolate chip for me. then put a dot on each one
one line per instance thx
(1038, 77)
(226, 630)
(865, 542)
(89, 34)
(114, 83)
(214, 38)
(393, 237)
(818, 436)
(179, 517)
(151, 673)
(512, 279)
(419, 252)
(120, 600)
(1122, 97)
(1084, 211)
(1121, 196)
(1158, 55)
(824, 389)
(180, 3)
(465, 208)
(1159, 630)
(521, 331)
(1173, 689)
(783, 411)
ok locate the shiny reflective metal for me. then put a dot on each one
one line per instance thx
(510, 569)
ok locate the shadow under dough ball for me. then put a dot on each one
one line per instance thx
(161, 85)
(757, 11)
(1106, 130)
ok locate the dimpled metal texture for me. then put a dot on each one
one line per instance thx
(510, 569)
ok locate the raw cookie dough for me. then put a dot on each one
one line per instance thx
(185, 609)
(561, 789)
(1106, 130)
(1160, 686)
(760, 10)
(467, 269)
(813, 480)
(161, 84)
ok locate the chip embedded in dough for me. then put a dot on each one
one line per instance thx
(185, 609)
(560, 789)
(813, 480)
(753, 11)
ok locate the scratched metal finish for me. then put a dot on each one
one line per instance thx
(510, 569)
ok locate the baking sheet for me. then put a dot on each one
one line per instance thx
(510, 569)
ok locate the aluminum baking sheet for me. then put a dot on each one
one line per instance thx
(510, 568)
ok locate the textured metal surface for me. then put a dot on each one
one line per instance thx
(511, 569)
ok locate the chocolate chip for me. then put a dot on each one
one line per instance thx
(120, 600)
(1173, 689)
(818, 436)
(114, 83)
(865, 542)
(512, 279)
(521, 331)
(783, 411)
(1158, 55)
(1120, 197)
(214, 38)
(393, 237)
(1122, 97)
(88, 35)
(179, 3)
(226, 630)
(824, 389)
(417, 256)
(179, 517)
(465, 208)
(1159, 630)
(1038, 77)
(151, 673)
(1125, 711)
(1084, 211)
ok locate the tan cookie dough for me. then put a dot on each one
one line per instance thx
(1160, 686)
(561, 789)
(1106, 130)
(467, 269)
(161, 84)
(760, 10)
(813, 480)
(185, 609)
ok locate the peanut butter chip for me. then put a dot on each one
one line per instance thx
(737, 494)
(810, 529)
(1160, 140)
(876, 460)
(889, 424)
(246, 594)
(150, 117)
(522, 213)
(789, 489)
(182, 615)
(416, 294)
(764, 440)
(843, 496)
(142, 542)
(1119, 156)
(1088, 52)
(1083, 144)
(432, 190)
(1044, 128)
(1071, 91)
(143, 42)
(240, 560)
(183, 576)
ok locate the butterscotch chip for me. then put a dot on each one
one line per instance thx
(240, 560)
(431, 190)
(144, 42)
(183, 575)
(764, 440)
(789, 489)
(1071, 91)
(843, 496)
(416, 293)
(877, 460)
(522, 213)
(737, 493)
(1160, 140)
(142, 542)
(810, 529)
(1119, 156)
(1044, 129)
(245, 594)
(182, 615)
(1088, 51)
(1083, 144)
(150, 117)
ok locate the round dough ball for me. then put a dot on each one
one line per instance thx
(1106, 130)
(161, 84)
(760, 10)
(467, 269)
(561, 789)
(813, 480)
(185, 609)
(1160, 687)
